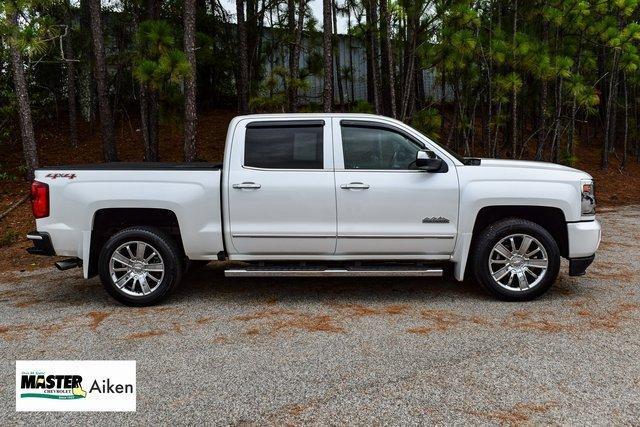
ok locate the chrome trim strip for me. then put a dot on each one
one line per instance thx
(433, 272)
(381, 170)
(285, 236)
(397, 236)
(354, 236)
(34, 237)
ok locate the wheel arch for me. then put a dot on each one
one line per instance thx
(108, 221)
(550, 218)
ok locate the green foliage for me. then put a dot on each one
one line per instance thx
(428, 121)
(311, 107)
(160, 63)
(362, 107)
(483, 52)
(272, 96)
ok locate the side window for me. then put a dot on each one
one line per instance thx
(375, 148)
(284, 147)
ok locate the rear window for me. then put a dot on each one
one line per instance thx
(284, 147)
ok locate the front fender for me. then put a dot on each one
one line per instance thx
(475, 196)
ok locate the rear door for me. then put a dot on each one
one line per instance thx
(385, 205)
(281, 190)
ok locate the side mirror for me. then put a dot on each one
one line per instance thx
(427, 161)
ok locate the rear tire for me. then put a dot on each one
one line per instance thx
(516, 259)
(140, 266)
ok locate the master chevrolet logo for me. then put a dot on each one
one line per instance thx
(435, 220)
(52, 386)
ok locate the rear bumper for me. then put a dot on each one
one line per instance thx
(41, 244)
(584, 238)
(578, 266)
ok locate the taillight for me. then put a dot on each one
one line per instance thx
(40, 199)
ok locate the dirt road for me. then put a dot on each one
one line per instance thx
(229, 351)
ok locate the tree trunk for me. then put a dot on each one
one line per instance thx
(291, 24)
(407, 87)
(144, 120)
(243, 61)
(100, 74)
(514, 92)
(337, 46)
(71, 79)
(153, 9)
(607, 127)
(144, 107)
(542, 127)
(87, 95)
(294, 57)
(372, 22)
(350, 37)
(386, 62)
(626, 122)
(152, 98)
(190, 115)
(574, 110)
(29, 147)
(154, 124)
(327, 93)
(555, 141)
(371, 97)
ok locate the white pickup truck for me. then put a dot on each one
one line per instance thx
(319, 195)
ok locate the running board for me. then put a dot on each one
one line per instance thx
(430, 272)
(68, 263)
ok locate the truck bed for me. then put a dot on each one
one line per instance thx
(78, 193)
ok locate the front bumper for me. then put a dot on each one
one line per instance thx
(584, 238)
(578, 266)
(41, 244)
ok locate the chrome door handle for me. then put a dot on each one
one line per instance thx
(355, 186)
(247, 185)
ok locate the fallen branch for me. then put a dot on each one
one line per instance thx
(15, 205)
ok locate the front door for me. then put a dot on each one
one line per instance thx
(281, 188)
(385, 205)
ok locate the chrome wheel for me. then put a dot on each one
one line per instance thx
(518, 262)
(136, 268)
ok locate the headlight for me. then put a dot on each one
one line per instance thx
(588, 197)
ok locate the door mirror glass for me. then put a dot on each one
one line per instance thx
(427, 161)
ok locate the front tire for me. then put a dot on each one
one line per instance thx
(140, 266)
(516, 259)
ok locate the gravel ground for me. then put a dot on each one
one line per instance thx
(232, 351)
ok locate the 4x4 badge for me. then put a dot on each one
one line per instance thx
(435, 220)
(60, 175)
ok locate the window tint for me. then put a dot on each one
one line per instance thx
(284, 147)
(372, 148)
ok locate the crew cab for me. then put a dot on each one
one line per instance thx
(319, 195)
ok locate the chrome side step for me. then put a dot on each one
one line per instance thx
(68, 263)
(429, 272)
